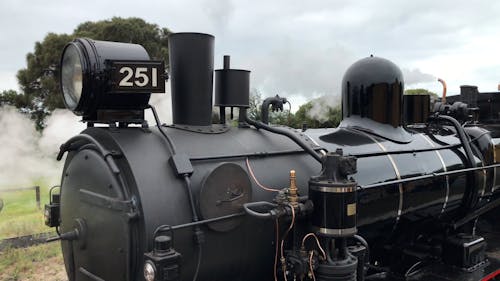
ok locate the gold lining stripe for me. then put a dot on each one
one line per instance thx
(493, 188)
(396, 171)
(444, 169)
(336, 232)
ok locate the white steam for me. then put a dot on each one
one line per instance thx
(219, 12)
(301, 69)
(162, 104)
(415, 76)
(28, 157)
(321, 107)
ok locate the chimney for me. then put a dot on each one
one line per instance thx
(191, 70)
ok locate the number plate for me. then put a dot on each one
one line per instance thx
(137, 76)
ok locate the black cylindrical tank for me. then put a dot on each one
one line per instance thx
(232, 86)
(393, 202)
(122, 206)
(416, 108)
(191, 58)
(118, 187)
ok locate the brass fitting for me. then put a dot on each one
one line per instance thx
(293, 195)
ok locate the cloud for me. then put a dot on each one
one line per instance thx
(307, 70)
(219, 12)
(415, 35)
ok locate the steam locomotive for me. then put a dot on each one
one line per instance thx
(394, 193)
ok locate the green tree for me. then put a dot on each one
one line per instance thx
(330, 117)
(255, 103)
(39, 81)
(13, 98)
(420, 91)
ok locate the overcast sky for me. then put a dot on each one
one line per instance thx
(299, 49)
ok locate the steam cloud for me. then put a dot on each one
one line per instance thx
(28, 157)
(162, 104)
(415, 76)
(320, 107)
(219, 12)
(290, 70)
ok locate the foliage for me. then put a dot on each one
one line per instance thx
(420, 91)
(329, 117)
(39, 80)
(255, 103)
(11, 97)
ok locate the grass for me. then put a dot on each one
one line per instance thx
(42, 262)
(20, 215)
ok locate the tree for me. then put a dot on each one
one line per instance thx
(318, 113)
(13, 98)
(420, 91)
(39, 81)
(255, 103)
(284, 117)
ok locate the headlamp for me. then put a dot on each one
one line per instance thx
(109, 81)
(71, 76)
(149, 271)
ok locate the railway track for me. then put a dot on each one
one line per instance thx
(25, 241)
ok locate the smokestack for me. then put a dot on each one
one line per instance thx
(191, 58)
(469, 95)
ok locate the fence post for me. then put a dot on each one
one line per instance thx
(37, 196)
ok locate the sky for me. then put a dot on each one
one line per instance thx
(294, 48)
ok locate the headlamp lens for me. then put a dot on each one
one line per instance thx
(149, 271)
(72, 77)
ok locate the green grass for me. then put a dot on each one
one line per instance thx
(20, 215)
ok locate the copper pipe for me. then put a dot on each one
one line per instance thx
(443, 99)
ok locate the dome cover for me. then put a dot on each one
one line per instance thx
(373, 88)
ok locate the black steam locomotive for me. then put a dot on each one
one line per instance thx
(396, 192)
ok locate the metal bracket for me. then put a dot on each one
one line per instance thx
(107, 202)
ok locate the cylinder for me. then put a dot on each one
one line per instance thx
(232, 86)
(333, 195)
(416, 108)
(469, 95)
(191, 78)
(343, 270)
(334, 208)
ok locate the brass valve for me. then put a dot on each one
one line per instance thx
(293, 195)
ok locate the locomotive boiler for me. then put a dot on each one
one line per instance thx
(393, 193)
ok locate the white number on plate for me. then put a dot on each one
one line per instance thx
(141, 77)
(125, 81)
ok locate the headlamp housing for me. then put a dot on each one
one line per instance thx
(109, 81)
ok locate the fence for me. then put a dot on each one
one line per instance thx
(37, 194)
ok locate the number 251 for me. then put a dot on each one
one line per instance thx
(141, 77)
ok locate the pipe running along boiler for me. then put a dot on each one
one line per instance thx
(394, 193)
